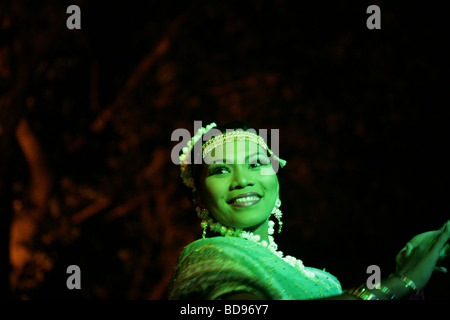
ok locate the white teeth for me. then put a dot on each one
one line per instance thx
(246, 199)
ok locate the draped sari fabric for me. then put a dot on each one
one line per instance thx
(209, 268)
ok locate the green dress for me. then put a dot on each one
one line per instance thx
(210, 268)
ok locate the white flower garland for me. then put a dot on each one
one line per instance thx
(271, 245)
(186, 174)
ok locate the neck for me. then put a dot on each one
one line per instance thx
(261, 230)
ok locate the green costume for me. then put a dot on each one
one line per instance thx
(210, 268)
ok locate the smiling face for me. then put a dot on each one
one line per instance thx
(238, 185)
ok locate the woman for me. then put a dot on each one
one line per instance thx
(235, 190)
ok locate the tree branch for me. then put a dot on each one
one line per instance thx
(143, 67)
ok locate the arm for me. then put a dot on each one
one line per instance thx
(394, 284)
(416, 261)
(397, 288)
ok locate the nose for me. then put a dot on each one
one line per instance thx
(241, 178)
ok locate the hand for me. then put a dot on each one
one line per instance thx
(419, 258)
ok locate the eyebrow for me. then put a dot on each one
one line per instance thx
(224, 160)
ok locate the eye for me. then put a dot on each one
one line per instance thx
(255, 165)
(260, 161)
(219, 169)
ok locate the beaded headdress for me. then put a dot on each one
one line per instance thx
(214, 142)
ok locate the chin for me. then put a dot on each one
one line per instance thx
(251, 225)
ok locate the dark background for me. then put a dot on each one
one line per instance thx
(86, 118)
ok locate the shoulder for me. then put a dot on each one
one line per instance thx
(224, 245)
(203, 250)
(209, 268)
(205, 242)
(202, 244)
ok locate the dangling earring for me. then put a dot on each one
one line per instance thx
(203, 214)
(277, 213)
(215, 226)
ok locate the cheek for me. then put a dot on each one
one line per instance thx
(272, 192)
(270, 184)
(213, 193)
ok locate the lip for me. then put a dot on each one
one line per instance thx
(245, 203)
